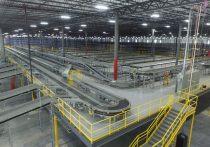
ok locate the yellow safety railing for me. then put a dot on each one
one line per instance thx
(97, 130)
(189, 107)
(196, 89)
(146, 135)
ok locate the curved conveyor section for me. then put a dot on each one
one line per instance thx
(97, 106)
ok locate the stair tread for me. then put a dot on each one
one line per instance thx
(160, 132)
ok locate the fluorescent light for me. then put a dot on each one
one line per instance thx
(20, 29)
(83, 25)
(65, 17)
(67, 27)
(144, 24)
(187, 20)
(112, 21)
(6, 33)
(33, 26)
(155, 15)
(167, 26)
(105, 33)
(16, 30)
(80, 30)
(185, 28)
(44, 23)
(208, 23)
(55, 29)
(101, 7)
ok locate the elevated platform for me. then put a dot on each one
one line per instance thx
(203, 101)
(22, 90)
(64, 121)
(10, 74)
(23, 109)
(8, 69)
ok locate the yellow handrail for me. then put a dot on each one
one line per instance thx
(154, 125)
(183, 112)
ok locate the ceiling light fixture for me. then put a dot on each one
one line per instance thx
(65, 17)
(55, 29)
(20, 29)
(144, 24)
(33, 26)
(66, 27)
(83, 25)
(208, 23)
(44, 23)
(112, 21)
(155, 15)
(187, 20)
(80, 30)
(167, 26)
(102, 7)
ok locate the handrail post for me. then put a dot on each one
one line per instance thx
(139, 115)
(109, 125)
(70, 115)
(191, 129)
(91, 133)
(125, 119)
(62, 107)
(79, 124)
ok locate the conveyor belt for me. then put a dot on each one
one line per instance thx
(10, 74)
(7, 69)
(97, 105)
(23, 109)
(12, 93)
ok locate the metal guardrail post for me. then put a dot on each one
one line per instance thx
(62, 103)
(91, 133)
(56, 131)
(80, 130)
(125, 123)
(191, 129)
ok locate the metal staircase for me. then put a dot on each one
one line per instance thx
(166, 126)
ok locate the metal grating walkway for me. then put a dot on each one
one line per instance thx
(18, 91)
(10, 74)
(24, 108)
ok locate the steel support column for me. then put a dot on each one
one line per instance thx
(153, 46)
(191, 130)
(41, 42)
(12, 83)
(2, 50)
(178, 43)
(62, 48)
(55, 123)
(116, 46)
(29, 46)
(86, 42)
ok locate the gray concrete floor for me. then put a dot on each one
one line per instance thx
(201, 130)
